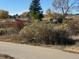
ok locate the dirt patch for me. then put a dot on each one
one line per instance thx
(2, 56)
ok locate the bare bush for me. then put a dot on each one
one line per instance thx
(74, 27)
(43, 34)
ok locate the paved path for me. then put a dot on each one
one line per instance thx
(21, 51)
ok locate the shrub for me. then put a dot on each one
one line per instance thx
(27, 35)
(61, 37)
(41, 33)
(60, 19)
(48, 36)
(11, 31)
(74, 27)
(8, 31)
(43, 36)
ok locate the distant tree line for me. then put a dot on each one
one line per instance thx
(63, 7)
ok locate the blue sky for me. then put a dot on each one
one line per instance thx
(19, 6)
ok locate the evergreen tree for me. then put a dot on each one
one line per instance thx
(36, 10)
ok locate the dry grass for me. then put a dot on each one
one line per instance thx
(72, 49)
(40, 32)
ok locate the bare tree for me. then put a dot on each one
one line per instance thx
(64, 6)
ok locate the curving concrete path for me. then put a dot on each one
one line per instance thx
(22, 51)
